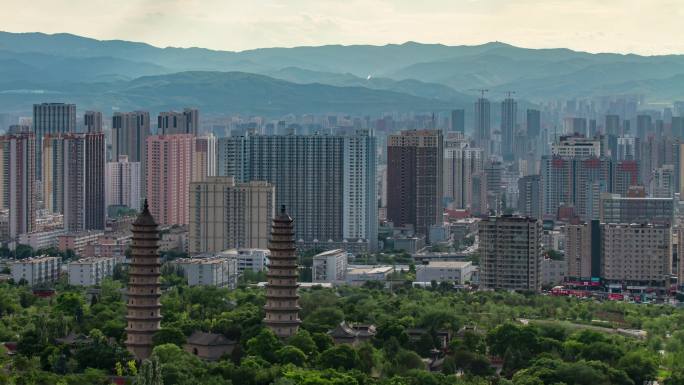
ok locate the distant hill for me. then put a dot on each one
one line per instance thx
(221, 93)
(428, 72)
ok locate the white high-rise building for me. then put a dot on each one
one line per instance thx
(326, 182)
(460, 163)
(123, 183)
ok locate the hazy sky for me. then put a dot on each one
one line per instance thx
(639, 26)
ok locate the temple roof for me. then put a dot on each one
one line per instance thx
(209, 339)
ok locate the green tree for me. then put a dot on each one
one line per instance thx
(304, 342)
(264, 345)
(290, 355)
(169, 335)
(341, 357)
(150, 373)
(639, 365)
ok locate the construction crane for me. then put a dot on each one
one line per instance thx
(482, 91)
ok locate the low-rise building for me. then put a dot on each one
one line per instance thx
(47, 220)
(110, 244)
(77, 241)
(90, 271)
(209, 346)
(36, 270)
(330, 266)
(174, 238)
(252, 259)
(41, 239)
(410, 245)
(552, 271)
(458, 272)
(358, 275)
(209, 270)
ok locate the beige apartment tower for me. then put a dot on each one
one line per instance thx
(510, 253)
(578, 250)
(225, 215)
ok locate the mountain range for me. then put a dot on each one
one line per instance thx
(367, 79)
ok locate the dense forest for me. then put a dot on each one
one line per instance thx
(497, 338)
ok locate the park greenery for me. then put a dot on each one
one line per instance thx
(497, 338)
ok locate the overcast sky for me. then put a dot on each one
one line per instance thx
(638, 26)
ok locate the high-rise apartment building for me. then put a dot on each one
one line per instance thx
(663, 182)
(612, 125)
(530, 196)
(576, 145)
(458, 121)
(204, 161)
(644, 126)
(619, 209)
(533, 123)
(510, 253)
(626, 175)
(93, 121)
(172, 122)
(123, 184)
(169, 173)
(483, 124)
(628, 148)
(74, 179)
(230, 157)
(680, 254)
(575, 126)
(636, 254)
(415, 161)
(575, 176)
(17, 182)
(460, 164)
(509, 124)
(327, 182)
(225, 215)
(48, 119)
(129, 134)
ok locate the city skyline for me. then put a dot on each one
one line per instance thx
(607, 27)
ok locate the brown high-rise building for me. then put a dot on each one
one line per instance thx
(415, 179)
(282, 300)
(144, 308)
(17, 181)
(510, 253)
(73, 179)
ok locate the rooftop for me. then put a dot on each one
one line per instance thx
(359, 270)
(330, 252)
(450, 264)
(89, 260)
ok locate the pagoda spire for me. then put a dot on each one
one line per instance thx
(144, 308)
(282, 301)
